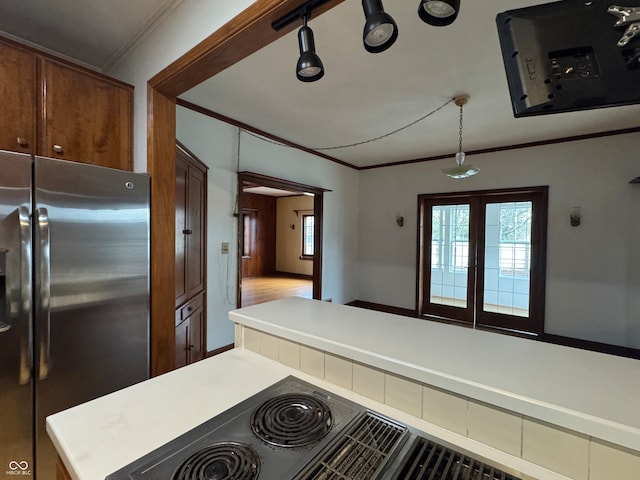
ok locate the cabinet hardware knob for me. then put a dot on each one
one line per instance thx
(57, 148)
(191, 347)
(22, 142)
(187, 232)
(189, 308)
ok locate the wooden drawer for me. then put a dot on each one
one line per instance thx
(188, 308)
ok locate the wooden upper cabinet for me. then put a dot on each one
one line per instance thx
(18, 100)
(182, 178)
(191, 217)
(57, 109)
(86, 118)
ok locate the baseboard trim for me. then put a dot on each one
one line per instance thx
(545, 337)
(301, 276)
(383, 308)
(220, 350)
(593, 346)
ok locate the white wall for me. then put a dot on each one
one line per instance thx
(593, 288)
(289, 211)
(215, 143)
(593, 279)
(190, 23)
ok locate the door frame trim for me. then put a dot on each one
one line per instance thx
(318, 196)
(243, 35)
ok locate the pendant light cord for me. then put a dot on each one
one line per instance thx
(460, 131)
(380, 137)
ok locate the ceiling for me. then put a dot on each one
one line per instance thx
(96, 33)
(362, 95)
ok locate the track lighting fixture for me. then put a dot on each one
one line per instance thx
(380, 31)
(460, 170)
(309, 67)
(438, 12)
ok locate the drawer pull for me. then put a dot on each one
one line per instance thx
(187, 232)
(22, 142)
(57, 148)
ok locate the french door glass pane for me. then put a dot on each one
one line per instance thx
(449, 255)
(507, 258)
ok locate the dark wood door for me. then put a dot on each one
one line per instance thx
(182, 176)
(191, 220)
(182, 344)
(18, 99)
(195, 221)
(250, 261)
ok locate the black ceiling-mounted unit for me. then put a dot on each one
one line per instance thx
(571, 55)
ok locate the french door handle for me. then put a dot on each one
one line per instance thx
(43, 287)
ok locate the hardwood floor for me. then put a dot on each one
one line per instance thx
(263, 289)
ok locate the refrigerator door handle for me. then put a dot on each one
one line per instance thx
(16, 275)
(26, 355)
(43, 286)
(17, 270)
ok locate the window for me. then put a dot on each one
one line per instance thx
(307, 236)
(482, 258)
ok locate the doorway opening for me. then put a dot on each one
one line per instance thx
(279, 239)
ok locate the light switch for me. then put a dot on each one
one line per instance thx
(225, 248)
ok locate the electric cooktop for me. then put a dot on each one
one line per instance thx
(294, 430)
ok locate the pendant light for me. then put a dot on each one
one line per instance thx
(460, 170)
(309, 67)
(438, 12)
(380, 30)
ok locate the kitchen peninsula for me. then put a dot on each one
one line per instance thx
(448, 381)
(560, 407)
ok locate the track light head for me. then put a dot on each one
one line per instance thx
(380, 30)
(438, 12)
(309, 67)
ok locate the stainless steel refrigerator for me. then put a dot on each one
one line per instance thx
(74, 296)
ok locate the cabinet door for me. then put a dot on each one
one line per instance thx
(196, 342)
(18, 90)
(182, 344)
(86, 118)
(182, 174)
(195, 226)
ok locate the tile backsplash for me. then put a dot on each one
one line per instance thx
(566, 452)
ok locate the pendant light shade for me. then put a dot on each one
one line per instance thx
(438, 12)
(309, 67)
(380, 30)
(460, 170)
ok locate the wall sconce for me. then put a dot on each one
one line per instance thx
(575, 216)
(399, 220)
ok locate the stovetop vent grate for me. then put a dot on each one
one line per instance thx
(359, 453)
(428, 460)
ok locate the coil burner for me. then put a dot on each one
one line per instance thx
(220, 461)
(292, 420)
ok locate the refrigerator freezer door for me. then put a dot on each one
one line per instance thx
(16, 397)
(92, 335)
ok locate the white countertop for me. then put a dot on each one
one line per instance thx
(591, 393)
(99, 437)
